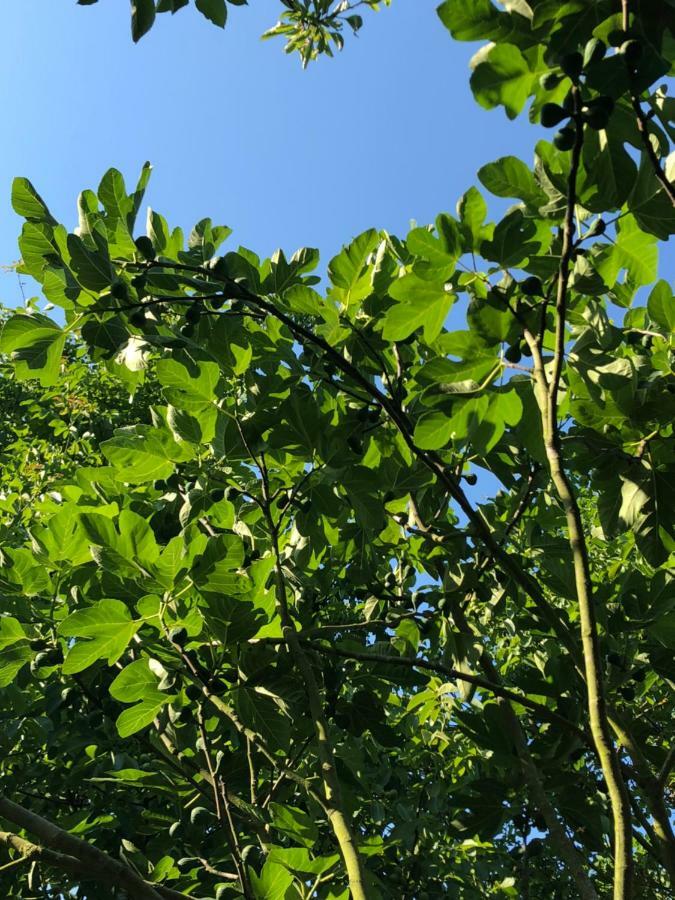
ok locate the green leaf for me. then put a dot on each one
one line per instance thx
(472, 20)
(109, 628)
(661, 306)
(35, 345)
(214, 10)
(217, 569)
(503, 78)
(28, 203)
(422, 304)
(272, 883)
(11, 631)
(299, 860)
(92, 268)
(135, 682)
(12, 660)
(348, 270)
(142, 17)
(433, 431)
(295, 823)
(510, 177)
(141, 454)
(261, 714)
(139, 716)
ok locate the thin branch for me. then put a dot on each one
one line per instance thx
(453, 674)
(546, 393)
(667, 766)
(65, 851)
(332, 789)
(642, 122)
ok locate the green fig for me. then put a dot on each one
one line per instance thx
(594, 51)
(572, 65)
(138, 283)
(193, 315)
(551, 114)
(193, 692)
(597, 228)
(178, 636)
(565, 138)
(632, 51)
(549, 81)
(145, 247)
(616, 37)
(532, 286)
(119, 290)
(513, 354)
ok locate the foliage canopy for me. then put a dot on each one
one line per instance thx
(260, 636)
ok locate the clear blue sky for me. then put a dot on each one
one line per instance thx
(384, 133)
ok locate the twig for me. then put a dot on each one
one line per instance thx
(454, 674)
(642, 123)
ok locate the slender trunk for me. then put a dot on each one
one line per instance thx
(333, 794)
(546, 392)
(652, 792)
(540, 801)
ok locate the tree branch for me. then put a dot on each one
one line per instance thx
(454, 674)
(547, 398)
(70, 854)
(642, 122)
(332, 789)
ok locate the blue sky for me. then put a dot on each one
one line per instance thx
(384, 133)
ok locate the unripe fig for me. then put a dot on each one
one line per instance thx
(549, 81)
(595, 117)
(193, 315)
(565, 138)
(572, 64)
(616, 37)
(138, 282)
(551, 114)
(632, 51)
(593, 51)
(532, 286)
(218, 267)
(145, 247)
(603, 102)
(178, 636)
(193, 692)
(597, 228)
(513, 354)
(355, 445)
(119, 290)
